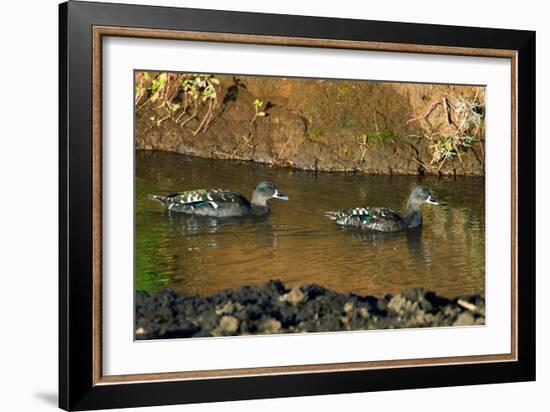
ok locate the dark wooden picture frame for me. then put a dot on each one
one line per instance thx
(82, 26)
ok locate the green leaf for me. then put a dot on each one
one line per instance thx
(361, 139)
(315, 133)
(385, 134)
(173, 106)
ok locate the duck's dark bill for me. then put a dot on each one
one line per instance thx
(281, 196)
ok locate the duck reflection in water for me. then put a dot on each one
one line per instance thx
(412, 237)
(190, 225)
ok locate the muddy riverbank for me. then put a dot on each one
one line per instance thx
(315, 124)
(274, 308)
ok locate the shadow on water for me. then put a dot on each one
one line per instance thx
(296, 242)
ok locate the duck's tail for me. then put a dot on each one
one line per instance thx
(332, 215)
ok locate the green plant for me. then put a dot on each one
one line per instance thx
(468, 141)
(199, 90)
(443, 150)
(464, 127)
(314, 134)
(346, 150)
(184, 97)
(157, 87)
(371, 139)
(257, 104)
(469, 113)
(343, 90)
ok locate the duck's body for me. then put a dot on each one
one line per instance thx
(221, 202)
(381, 219)
(378, 219)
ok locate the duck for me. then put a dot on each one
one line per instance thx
(221, 202)
(381, 219)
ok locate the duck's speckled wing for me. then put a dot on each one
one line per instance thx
(206, 197)
(378, 219)
(201, 201)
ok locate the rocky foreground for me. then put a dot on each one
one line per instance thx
(273, 308)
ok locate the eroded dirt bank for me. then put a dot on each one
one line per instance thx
(368, 127)
(273, 308)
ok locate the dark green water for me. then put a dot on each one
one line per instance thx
(296, 243)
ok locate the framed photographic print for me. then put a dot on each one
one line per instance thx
(257, 205)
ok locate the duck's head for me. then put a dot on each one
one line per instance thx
(265, 191)
(420, 195)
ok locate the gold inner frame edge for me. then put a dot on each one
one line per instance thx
(102, 31)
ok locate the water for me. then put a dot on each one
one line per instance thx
(296, 242)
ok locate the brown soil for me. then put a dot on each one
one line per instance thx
(311, 125)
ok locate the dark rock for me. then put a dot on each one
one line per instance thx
(273, 308)
(288, 315)
(248, 327)
(308, 326)
(358, 322)
(275, 288)
(425, 305)
(208, 320)
(202, 334)
(309, 310)
(183, 329)
(329, 323)
(250, 312)
(314, 290)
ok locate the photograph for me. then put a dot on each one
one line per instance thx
(274, 205)
(262, 206)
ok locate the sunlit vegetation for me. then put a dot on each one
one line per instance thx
(258, 112)
(314, 134)
(184, 97)
(371, 140)
(465, 122)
